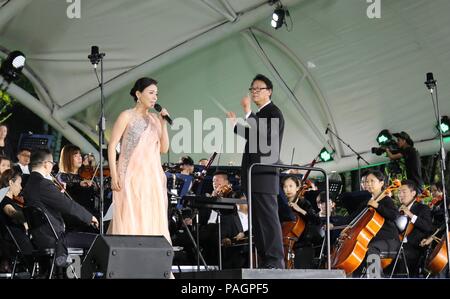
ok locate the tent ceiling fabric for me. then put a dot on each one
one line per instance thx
(369, 73)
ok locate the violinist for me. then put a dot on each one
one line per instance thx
(12, 211)
(203, 162)
(387, 238)
(230, 223)
(22, 166)
(295, 194)
(437, 208)
(336, 221)
(419, 215)
(81, 190)
(40, 192)
(186, 165)
(89, 161)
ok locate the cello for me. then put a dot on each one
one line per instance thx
(352, 244)
(438, 259)
(292, 230)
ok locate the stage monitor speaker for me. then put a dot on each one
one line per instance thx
(122, 256)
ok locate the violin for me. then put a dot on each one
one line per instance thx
(307, 186)
(89, 172)
(60, 186)
(435, 201)
(18, 199)
(224, 191)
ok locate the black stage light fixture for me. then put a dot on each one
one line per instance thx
(12, 66)
(278, 17)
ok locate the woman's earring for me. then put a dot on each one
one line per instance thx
(139, 101)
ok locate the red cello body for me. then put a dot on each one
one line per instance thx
(438, 258)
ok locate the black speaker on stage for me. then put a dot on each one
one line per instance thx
(122, 256)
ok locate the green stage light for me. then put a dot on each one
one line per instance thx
(325, 155)
(384, 137)
(445, 124)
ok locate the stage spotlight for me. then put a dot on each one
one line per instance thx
(325, 155)
(278, 18)
(445, 124)
(384, 138)
(12, 66)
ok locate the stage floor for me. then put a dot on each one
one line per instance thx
(262, 274)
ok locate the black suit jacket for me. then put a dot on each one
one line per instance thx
(263, 145)
(423, 226)
(41, 192)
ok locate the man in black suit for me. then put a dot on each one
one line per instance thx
(419, 215)
(41, 192)
(263, 136)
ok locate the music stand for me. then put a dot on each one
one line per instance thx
(35, 141)
(217, 204)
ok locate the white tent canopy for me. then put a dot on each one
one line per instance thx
(336, 66)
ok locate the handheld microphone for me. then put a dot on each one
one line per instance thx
(166, 117)
(328, 128)
(430, 83)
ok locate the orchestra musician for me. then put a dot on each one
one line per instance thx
(301, 207)
(387, 238)
(42, 193)
(81, 190)
(232, 229)
(11, 213)
(419, 217)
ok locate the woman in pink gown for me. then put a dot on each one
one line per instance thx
(138, 180)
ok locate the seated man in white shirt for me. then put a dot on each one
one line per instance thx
(22, 165)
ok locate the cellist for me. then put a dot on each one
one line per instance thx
(303, 208)
(419, 217)
(387, 238)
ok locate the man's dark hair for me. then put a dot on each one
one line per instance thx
(24, 149)
(222, 173)
(411, 185)
(39, 156)
(263, 78)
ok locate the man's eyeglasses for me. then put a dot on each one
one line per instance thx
(251, 89)
(52, 162)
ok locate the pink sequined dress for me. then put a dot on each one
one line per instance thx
(140, 207)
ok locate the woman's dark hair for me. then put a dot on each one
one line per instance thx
(8, 175)
(66, 158)
(140, 85)
(186, 160)
(291, 177)
(378, 174)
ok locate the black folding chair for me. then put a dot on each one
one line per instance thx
(20, 254)
(36, 218)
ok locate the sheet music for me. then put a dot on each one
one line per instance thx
(109, 214)
(3, 192)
